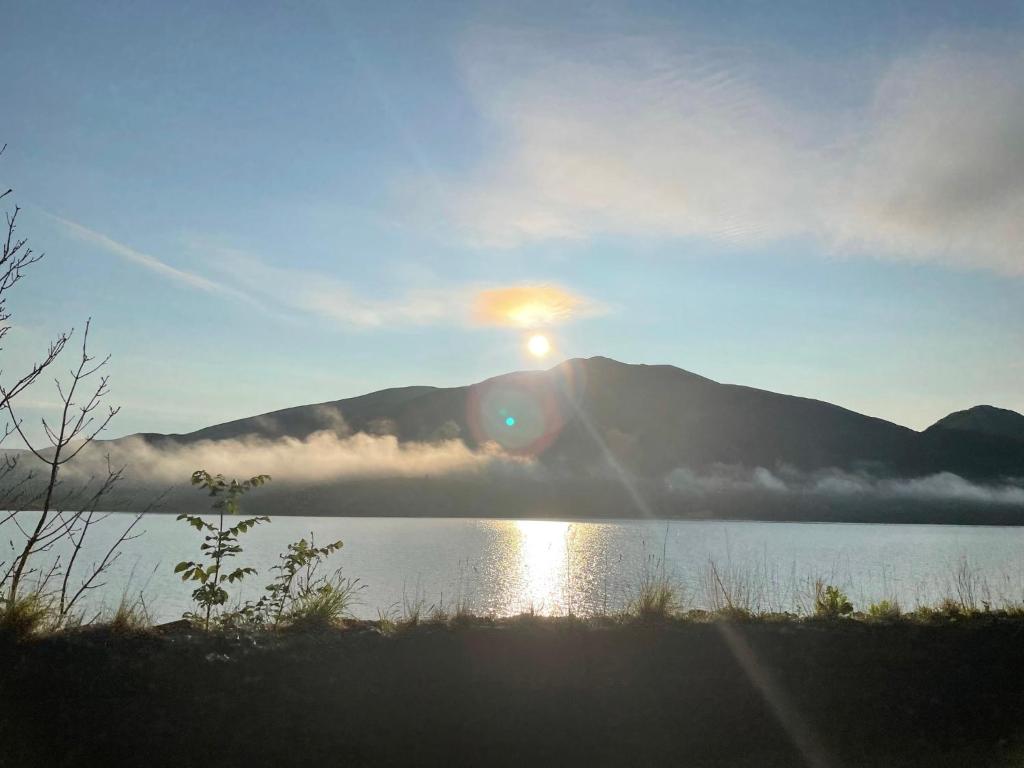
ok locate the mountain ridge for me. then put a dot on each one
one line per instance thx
(986, 419)
(647, 418)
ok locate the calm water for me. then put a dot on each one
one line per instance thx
(504, 567)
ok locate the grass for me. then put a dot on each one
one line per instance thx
(130, 616)
(657, 597)
(386, 622)
(413, 605)
(657, 600)
(724, 593)
(28, 615)
(323, 606)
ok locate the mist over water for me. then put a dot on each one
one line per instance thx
(323, 456)
(505, 567)
(845, 484)
(337, 456)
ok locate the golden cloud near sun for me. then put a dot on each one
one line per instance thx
(528, 306)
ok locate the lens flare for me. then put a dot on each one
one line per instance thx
(524, 412)
(538, 345)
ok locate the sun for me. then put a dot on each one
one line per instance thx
(538, 345)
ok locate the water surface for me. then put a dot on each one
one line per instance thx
(504, 567)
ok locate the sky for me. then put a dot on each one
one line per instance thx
(266, 205)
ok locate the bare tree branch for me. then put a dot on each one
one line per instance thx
(80, 423)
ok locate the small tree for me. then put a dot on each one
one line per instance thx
(220, 542)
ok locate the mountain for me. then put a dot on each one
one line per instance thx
(648, 420)
(984, 419)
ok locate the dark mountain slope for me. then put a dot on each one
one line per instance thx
(674, 418)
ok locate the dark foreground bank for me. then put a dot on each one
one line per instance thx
(523, 692)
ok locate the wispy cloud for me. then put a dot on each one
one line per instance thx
(939, 172)
(452, 304)
(634, 136)
(323, 296)
(128, 253)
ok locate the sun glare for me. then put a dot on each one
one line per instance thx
(538, 345)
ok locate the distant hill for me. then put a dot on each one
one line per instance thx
(986, 420)
(649, 420)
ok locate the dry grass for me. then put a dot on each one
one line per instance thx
(656, 600)
(130, 616)
(27, 615)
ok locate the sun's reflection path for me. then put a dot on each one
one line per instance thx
(544, 568)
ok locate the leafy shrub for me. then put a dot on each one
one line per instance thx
(830, 602)
(295, 578)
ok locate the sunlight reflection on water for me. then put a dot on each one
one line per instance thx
(540, 551)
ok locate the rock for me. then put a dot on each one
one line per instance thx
(181, 626)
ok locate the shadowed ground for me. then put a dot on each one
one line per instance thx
(524, 692)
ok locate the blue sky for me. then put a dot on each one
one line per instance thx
(268, 205)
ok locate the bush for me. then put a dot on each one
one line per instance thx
(733, 613)
(830, 602)
(885, 610)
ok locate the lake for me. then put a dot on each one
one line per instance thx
(504, 567)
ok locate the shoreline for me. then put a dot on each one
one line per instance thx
(1005, 517)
